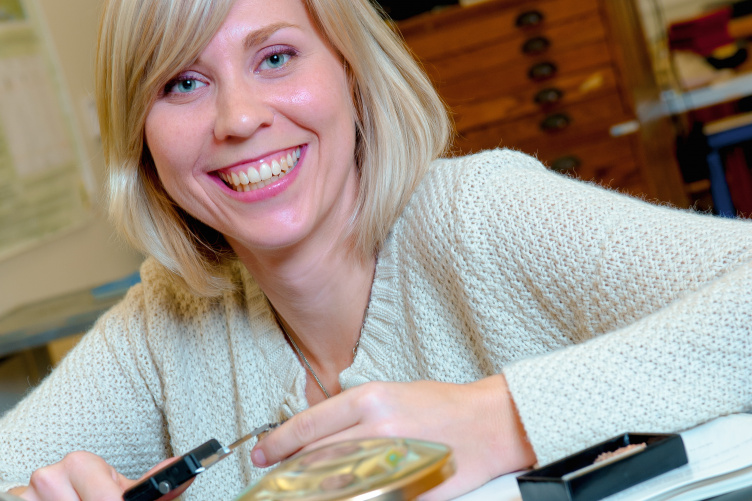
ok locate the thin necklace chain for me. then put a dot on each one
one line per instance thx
(303, 357)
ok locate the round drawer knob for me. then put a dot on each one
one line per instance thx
(529, 18)
(555, 122)
(542, 71)
(536, 45)
(565, 163)
(550, 95)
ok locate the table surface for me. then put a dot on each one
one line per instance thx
(720, 460)
(503, 488)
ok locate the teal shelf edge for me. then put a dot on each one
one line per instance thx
(37, 324)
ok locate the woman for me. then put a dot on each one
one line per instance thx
(310, 262)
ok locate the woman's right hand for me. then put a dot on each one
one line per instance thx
(82, 476)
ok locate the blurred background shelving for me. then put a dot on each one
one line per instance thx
(701, 58)
(570, 81)
(598, 89)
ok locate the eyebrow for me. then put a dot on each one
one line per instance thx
(261, 35)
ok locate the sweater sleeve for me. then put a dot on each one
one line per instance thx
(683, 365)
(102, 398)
(654, 303)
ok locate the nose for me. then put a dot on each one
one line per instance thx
(240, 112)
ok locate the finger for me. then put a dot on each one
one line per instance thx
(127, 483)
(78, 476)
(92, 478)
(353, 433)
(330, 417)
(23, 492)
(49, 483)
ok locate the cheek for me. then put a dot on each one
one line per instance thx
(156, 140)
(170, 151)
(300, 97)
(339, 100)
(166, 158)
(320, 103)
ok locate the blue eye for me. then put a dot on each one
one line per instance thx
(275, 61)
(183, 86)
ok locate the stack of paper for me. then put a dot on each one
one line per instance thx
(720, 461)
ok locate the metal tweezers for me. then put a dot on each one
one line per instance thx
(188, 466)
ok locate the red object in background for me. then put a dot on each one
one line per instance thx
(702, 34)
(739, 179)
(715, 112)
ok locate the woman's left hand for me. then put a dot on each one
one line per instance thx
(477, 420)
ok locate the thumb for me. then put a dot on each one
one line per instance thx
(126, 483)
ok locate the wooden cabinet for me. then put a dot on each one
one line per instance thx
(553, 78)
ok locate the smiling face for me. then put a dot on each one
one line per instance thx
(256, 138)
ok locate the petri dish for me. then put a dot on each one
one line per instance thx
(383, 469)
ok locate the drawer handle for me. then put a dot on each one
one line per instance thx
(542, 71)
(566, 163)
(529, 18)
(536, 45)
(555, 122)
(549, 96)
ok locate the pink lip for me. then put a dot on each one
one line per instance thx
(266, 192)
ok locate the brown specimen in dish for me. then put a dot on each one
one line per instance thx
(618, 452)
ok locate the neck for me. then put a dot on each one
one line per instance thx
(321, 298)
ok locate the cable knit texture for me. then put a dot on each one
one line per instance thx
(605, 313)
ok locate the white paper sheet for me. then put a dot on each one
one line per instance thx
(720, 460)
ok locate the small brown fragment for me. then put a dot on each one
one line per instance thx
(618, 452)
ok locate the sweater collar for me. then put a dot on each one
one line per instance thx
(375, 352)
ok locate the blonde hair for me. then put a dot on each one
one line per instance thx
(402, 125)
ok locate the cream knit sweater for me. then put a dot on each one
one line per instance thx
(605, 313)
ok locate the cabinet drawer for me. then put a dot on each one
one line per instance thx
(611, 163)
(599, 163)
(581, 123)
(511, 78)
(518, 50)
(454, 30)
(561, 92)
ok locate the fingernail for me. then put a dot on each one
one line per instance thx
(258, 458)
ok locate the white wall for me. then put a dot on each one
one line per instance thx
(91, 255)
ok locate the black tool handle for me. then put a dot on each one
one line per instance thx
(173, 475)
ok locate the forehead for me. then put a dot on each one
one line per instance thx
(246, 15)
(249, 23)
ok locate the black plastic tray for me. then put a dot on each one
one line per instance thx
(577, 478)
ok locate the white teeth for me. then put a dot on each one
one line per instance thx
(267, 174)
(265, 171)
(253, 175)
